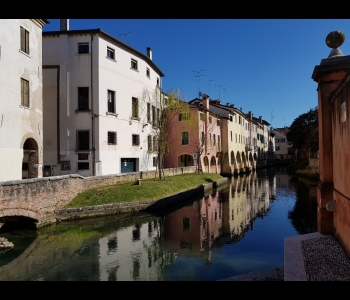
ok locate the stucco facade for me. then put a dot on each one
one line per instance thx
(333, 191)
(21, 108)
(196, 141)
(99, 104)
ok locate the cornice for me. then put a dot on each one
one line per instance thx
(110, 39)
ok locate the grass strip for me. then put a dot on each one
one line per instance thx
(149, 189)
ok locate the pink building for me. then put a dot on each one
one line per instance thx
(195, 138)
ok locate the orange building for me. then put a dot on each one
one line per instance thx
(333, 193)
(195, 138)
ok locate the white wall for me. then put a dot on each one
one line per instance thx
(17, 123)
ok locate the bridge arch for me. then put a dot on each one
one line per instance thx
(20, 212)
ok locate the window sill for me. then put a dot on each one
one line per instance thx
(25, 107)
(82, 111)
(26, 54)
(111, 59)
(136, 70)
(82, 54)
(111, 114)
(135, 118)
(82, 151)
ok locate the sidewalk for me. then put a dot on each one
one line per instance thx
(308, 257)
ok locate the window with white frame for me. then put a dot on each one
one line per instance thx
(148, 72)
(110, 53)
(111, 101)
(133, 64)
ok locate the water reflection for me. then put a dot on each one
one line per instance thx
(236, 229)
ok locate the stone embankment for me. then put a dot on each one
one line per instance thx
(132, 207)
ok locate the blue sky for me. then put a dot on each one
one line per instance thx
(260, 65)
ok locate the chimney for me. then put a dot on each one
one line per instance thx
(260, 117)
(250, 115)
(64, 24)
(149, 53)
(205, 101)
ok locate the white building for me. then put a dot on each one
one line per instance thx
(21, 102)
(99, 111)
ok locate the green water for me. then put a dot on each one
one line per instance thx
(237, 229)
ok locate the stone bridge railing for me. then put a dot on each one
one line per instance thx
(40, 198)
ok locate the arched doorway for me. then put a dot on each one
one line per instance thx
(185, 160)
(30, 162)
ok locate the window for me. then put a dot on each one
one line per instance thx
(239, 120)
(277, 140)
(135, 140)
(153, 115)
(210, 119)
(83, 166)
(65, 165)
(277, 148)
(236, 137)
(214, 139)
(184, 138)
(154, 161)
(155, 144)
(110, 53)
(201, 116)
(147, 72)
(231, 135)
(135, 108)
(186, 223)
(149, 143)
(218, 122)
(83, 156)
(283, 140)
(203, 138)
(24, 92)
(148, 112)
(112, 138)
(231, 119)
(83, 140)
(158, 116)
(24, 40)
(133, 64)
(219, 143)
(83, 48)
(343, 112)
(183, 117)
(157, 81)
(83, 98)
(111, 101)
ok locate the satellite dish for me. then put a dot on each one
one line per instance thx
(200, 94)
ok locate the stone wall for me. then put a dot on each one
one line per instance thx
(40, 198)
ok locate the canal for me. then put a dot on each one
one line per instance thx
(235, 229)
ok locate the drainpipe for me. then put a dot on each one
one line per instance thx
(92, 117)
(57, 109)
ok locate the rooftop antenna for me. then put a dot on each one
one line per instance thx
(126, 33)
(199, 77)
(219, 86)
(209, 84)
(272, 117)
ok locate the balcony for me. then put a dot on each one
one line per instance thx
(248, 147)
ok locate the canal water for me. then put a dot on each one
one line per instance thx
(235, 229)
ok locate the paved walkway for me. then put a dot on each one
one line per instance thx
(308, 257)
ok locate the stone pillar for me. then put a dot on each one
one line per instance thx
(328, 76)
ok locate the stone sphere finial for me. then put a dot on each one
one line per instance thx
(335, 39)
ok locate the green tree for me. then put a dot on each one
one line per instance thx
(303, 134)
